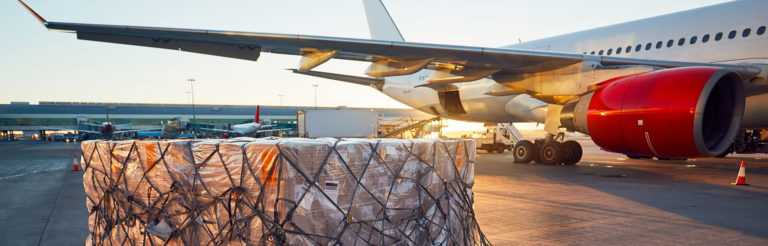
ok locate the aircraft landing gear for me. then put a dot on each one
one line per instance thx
(552, 151)
(524, 151)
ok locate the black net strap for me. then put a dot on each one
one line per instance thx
(190, 212)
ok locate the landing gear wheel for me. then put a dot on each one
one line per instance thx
(573, 151)
(500, 148)
(551, 153)
(524, 151)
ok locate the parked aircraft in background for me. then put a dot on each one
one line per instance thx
(675, 86)
(106, 129)
(250, 129)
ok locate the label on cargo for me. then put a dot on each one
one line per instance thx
(332, 190)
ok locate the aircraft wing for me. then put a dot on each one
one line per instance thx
(137, 130)
(89, 131)
(217, 130)
(275, 130)
(71, 129)
(91, 124)
(248, 45)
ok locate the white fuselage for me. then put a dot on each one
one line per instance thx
(708, 21)
(246, 128)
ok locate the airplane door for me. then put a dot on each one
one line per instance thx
(451, 102)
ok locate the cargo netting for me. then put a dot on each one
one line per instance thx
(276, 191)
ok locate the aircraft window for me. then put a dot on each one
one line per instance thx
(600, 53)
(618, 50)
(705, 38)
(732, 34)
(693, 39)
(681, 42)
(746, 32)
(610, 51)
(718, 36)
(638, 47)
(648, 46)
(761, 30)
(659, 44)
(670, 43)
(592, 53)
(628, 49)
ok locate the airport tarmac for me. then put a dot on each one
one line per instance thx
(605, 199)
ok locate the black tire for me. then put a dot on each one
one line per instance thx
(574, 152)
(637, 156)
(723, 154)
(500, 148)
(551, 153)
(524, 151)
(537, 146)
(490, 149)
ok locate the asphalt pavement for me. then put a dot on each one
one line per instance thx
(43, 201)
(606, 199)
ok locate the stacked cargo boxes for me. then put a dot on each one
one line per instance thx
(281, 191)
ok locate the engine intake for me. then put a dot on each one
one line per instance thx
(673, 113)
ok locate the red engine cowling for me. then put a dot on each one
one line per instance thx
(672, 113)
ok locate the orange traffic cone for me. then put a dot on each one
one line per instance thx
(742, 178)
(75, 167)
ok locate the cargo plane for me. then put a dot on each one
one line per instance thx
(681, 85)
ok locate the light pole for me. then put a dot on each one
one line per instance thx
(281, 99)
(194, 114)
(315, 85)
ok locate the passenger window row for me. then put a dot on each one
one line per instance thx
(680, 42)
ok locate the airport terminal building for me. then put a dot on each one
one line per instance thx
(22, 119)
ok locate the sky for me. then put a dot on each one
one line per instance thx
(40, 65)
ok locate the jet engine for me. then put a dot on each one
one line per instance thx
(671, 113)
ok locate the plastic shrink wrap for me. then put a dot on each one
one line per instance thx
(281, 191)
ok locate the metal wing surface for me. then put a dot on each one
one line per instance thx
(248, 45)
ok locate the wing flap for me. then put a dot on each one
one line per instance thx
(246, 52)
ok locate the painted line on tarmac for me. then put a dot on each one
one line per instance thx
(33, 172)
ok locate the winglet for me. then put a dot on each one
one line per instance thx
(39, 18)
(380, 23)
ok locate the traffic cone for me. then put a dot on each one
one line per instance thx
(75, 167)
(742, 178)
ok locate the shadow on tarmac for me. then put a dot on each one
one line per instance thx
(736, 208)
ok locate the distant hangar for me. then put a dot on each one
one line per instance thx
(23, 116)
